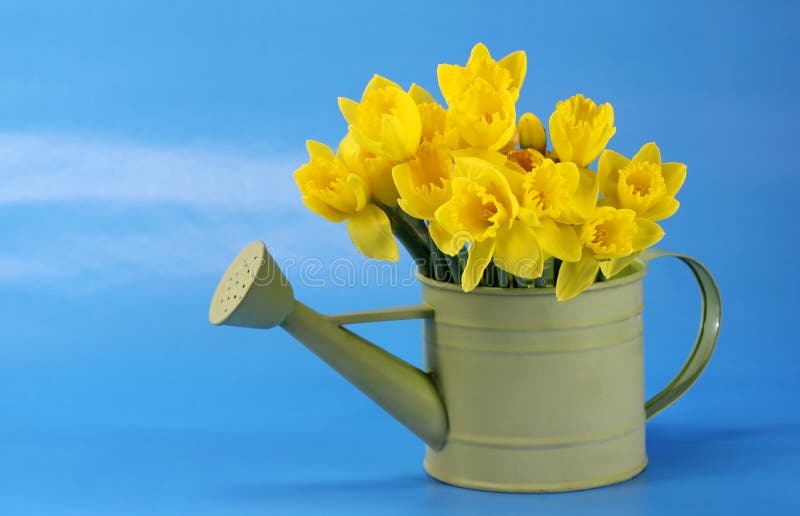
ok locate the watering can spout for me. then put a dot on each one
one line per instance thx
(254, 293)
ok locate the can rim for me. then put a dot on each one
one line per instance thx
(636, 271)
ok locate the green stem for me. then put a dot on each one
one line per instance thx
(521, 282)
(454, 264)
(502, 278)
(410, 238)
(440, 270)
(548, 275)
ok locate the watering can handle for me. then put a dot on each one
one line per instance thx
(711, 315)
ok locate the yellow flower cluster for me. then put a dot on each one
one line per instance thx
(476, 177)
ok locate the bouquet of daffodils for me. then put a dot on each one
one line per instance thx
(475, 195)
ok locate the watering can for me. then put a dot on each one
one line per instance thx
(520, 393)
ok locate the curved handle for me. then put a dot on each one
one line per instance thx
(711, 317)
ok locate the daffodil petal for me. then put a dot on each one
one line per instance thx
(349, 109)
(366, 143)
(575, 277)
(516, 63)
(674, 176)
(451, 82)
(480, 254)
(647, 234)
(608, 168)
(348, 151)
(420, 94)
(517, 252)
(318, 150)
(560, 139)
(400, 141)
(323, 210)
(360, 189)
(379, 175)
(449, 243)
(559, 240)
(515, 178)
(403, 182)
(528, 216)
(379, 81)
(649, 152)
(584, 200)
(572, 176)
(479, 52)
(446, 215)
(371, 233)
(495, 158)
(664, 208)
(614, 266)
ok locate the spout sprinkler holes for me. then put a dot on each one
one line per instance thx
(237, 282)
(253, 292)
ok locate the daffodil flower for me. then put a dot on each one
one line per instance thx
(377, 171)
(482, 212)
(485, 117)
(554, 197)
(504, 75)
(386, 122)
(560, 191)
(580, 129)
(643, 184)
(481, 97)
(332, 191)
(424, 182)
(611, 239)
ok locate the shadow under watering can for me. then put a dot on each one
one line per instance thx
(519, 392)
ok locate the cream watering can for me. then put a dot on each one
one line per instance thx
(520, 392)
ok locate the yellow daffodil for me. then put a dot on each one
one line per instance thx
(504, 75)
(483, 213)
(531, 133)
(424, 182)
(377, 171)
(643, 184)
(554, 197)
(485, 117)
(560, 191)
(481, 97)
(611, 239)
(331, 190)
(580, 130)
(386, 122)
(476, 176)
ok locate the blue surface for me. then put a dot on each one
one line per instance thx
(142, 145)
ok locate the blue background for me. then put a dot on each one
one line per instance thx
(143, 143)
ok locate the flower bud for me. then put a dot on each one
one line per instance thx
(531, 133)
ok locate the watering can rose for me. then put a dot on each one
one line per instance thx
(467, 184)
